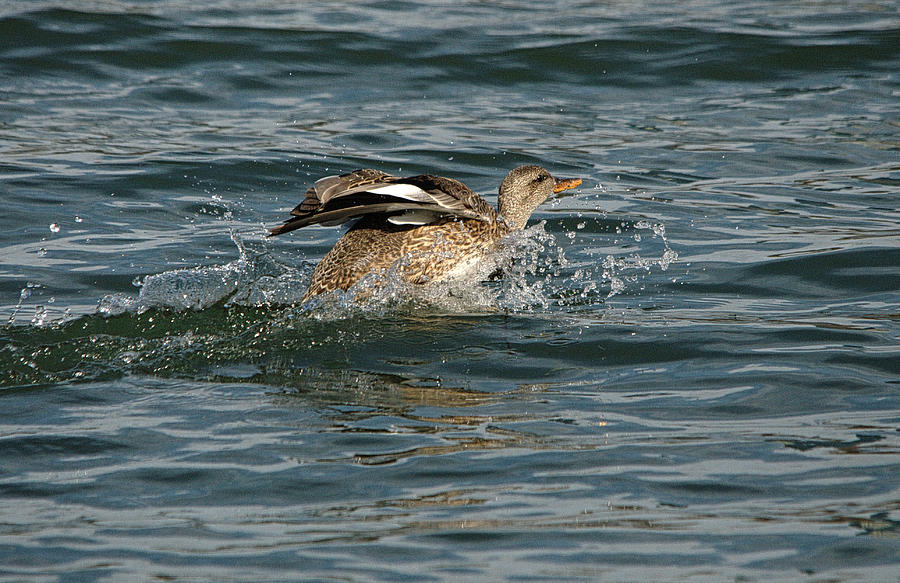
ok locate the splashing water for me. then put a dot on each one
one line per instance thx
(24, 295)
(535, 275)
(618, 272)
(167, 327)
(520, 259)
(255, 279)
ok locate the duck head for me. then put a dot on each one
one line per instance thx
(524, 189)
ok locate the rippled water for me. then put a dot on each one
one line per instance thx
(690, 372)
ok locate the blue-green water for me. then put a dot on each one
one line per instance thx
(690, 373)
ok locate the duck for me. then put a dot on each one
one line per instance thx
(430, 228)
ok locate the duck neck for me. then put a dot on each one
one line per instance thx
(515, 215)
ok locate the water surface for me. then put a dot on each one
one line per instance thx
(689, 373)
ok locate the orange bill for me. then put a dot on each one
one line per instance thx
(566, 184)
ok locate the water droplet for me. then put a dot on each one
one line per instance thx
(78, 219)
(54, 227)
(40, 315)
(616, 286)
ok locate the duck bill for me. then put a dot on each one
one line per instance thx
(566, 184)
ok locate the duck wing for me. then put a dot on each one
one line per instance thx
(414, 200)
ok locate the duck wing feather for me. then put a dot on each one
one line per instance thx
(415, 200)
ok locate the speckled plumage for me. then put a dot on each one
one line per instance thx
(427, 226)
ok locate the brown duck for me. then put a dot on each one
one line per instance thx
(432, 228)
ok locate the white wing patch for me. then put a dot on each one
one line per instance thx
(401, 190)
(415, 217)
(334, 187)
(416, 194)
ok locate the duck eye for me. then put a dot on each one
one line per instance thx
(541, 178)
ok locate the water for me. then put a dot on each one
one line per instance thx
(689, 373)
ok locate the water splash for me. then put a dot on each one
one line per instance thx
(619, 270)
(167, 328)
(255, 279)
(535, 275)
(24, 295)
(513, 278)
(615, 273)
